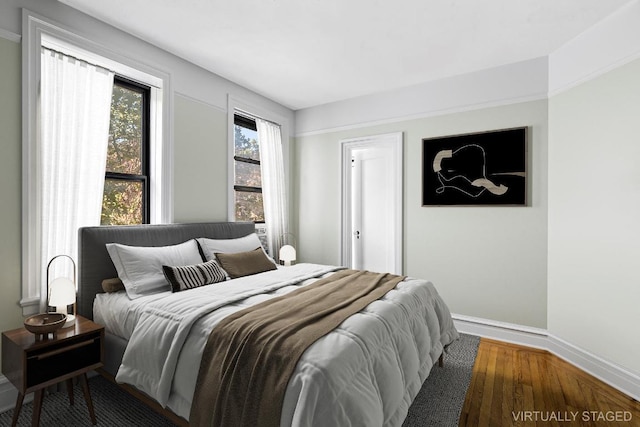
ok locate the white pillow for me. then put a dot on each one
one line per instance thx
(230, 246)
(140, 267)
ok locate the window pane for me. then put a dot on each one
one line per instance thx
(122, 202)
(124, 154)
(249, 206)
(248, 174)
(246, 142)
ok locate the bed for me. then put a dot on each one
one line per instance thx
(364, 372)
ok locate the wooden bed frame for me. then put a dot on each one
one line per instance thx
(95, 265)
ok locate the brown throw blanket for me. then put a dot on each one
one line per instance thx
(251, 354)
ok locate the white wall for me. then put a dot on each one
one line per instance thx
(594, 191)
(10, 187)
(487, 262)
(594, 216)
(200, 161)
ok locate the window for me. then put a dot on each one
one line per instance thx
(148, 183)
(126, 185)
(257, 171)
(247, 173)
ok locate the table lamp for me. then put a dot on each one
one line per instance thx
(61, 293)
(287, 254)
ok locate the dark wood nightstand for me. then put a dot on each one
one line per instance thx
(32, 365)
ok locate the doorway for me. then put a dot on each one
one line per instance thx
(372, 203)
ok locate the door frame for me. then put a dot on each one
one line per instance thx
(347, 146)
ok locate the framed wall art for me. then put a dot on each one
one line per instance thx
(486, 168)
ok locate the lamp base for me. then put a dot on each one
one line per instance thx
(71, 320)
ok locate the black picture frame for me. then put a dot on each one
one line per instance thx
(476, 169)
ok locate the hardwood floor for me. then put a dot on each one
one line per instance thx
(520, 386)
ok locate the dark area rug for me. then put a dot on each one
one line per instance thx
(438, 403)
(113, 407)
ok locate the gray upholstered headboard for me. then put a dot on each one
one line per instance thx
(94, 263)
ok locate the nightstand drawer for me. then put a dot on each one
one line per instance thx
(57, 361)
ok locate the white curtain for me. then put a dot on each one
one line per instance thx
(274, 191)
(75, 104)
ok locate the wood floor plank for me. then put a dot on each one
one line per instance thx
(539, 397)
(510, 389)
(487, 391)
(552, 396)
(522, 365)
(498, 384)
(472, 417)
(525, 387)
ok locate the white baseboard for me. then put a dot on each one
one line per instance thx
(8, 394)
(502, 331)
(610, 373)
(604, 370)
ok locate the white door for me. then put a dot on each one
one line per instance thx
(372, 203)
(371, 213)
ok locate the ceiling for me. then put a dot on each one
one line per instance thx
(303, 53)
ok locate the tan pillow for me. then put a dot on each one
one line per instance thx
(245, 263)
(112, 285)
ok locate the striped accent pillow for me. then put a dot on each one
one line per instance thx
(193, 276)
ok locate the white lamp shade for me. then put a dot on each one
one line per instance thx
(287, 254)
(62, 292)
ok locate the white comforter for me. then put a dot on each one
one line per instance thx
(364, 373)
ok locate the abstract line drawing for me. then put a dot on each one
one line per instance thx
(475, 169)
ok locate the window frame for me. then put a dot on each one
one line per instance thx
(246, 122)
(36, 32)
(144, 177)
(236, 105)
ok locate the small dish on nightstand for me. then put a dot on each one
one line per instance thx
(43, 324)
